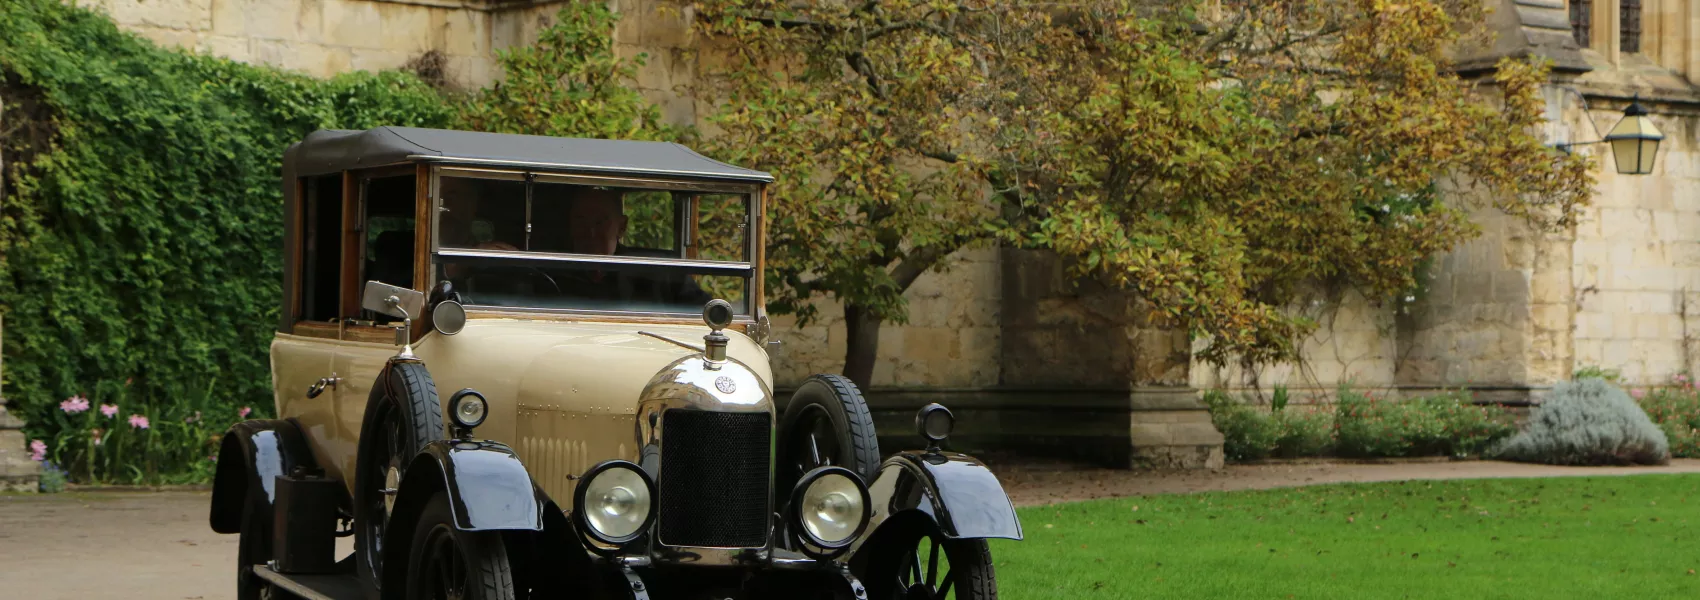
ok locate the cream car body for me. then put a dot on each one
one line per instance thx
(563, 393)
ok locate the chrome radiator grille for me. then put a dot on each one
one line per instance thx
(714, 478)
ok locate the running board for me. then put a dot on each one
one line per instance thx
(314, 587)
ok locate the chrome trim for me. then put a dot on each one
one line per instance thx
(792, 559)
(740, 268)
(594, 313)
(688, 384)
(589, 168)
(671, 341)
(712, 557)
(289, 585)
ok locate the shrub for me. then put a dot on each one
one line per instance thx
(1360, 426)
(53, 478)
(1303, 432)
(1588, 422)
(1677, 412)
(1247, 433)
(1367, 428)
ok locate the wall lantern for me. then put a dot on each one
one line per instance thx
(1634, 141)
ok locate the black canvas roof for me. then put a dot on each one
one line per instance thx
(333, 150)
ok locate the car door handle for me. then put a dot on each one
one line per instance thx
(319, 386)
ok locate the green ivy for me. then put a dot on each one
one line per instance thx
(140, 250)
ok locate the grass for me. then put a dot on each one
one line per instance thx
(1593, 537)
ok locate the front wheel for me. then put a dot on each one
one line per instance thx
(449, 564)
(917, 563)
(402, 416)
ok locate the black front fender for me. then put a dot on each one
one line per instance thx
(956, 491)
(487, 486)
(251, 457)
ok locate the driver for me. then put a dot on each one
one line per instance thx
(596, 222)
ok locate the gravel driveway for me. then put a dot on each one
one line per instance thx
(156, 545)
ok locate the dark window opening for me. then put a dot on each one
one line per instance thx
(1629, 25)
(389, 234)
(321, 248)
(1582, 21)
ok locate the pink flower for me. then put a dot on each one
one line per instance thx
(109, 410)
(243, 414)
(1680, 378)
(74, 405)
(138, 422)
(98, 435)
(1638, 393)
(38, 451)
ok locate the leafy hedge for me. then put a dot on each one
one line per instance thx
(140, 247)
(1359, 425)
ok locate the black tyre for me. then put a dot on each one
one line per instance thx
(253, 549)
(449, 564)
(826, 423)
(402, 415)
(917, 563)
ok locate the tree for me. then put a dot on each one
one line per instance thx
(569, 83)
(1212, 159)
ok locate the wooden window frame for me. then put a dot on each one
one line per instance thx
(354, 249)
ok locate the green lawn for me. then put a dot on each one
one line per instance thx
(1594, 538)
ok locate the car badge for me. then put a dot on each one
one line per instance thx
(725, 385)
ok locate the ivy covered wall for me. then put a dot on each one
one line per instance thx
(140, 228)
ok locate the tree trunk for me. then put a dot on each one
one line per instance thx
(862, 344)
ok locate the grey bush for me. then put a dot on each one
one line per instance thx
(1588, 422)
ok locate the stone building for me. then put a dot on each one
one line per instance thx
(1030, 358)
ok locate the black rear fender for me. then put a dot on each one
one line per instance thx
(253, 455)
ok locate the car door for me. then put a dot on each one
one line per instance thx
(304, 379)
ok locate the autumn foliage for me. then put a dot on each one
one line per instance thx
(1214, 158)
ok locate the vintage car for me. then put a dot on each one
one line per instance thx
(530, 367)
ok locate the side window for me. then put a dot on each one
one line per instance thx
(387, 233)
(650, 220)
(321, 248)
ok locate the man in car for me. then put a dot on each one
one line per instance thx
(596, 221)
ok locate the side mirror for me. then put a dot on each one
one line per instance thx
(398, 302)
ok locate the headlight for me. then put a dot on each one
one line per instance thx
(829, 509)
(613, 502)
(467, 408)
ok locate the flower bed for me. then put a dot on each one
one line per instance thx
(1676, 410)
(1359, 425)
(120, 440)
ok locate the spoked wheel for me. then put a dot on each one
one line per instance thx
(449, 564)
(826, 423)
(402, 416)
(920, 564)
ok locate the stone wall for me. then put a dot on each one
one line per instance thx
(325, 37)
(320, 37)
(1090, 363)
(1354, 344)
(1636, 262)
(952, 339)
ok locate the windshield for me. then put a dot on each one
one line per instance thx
(553, 242)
